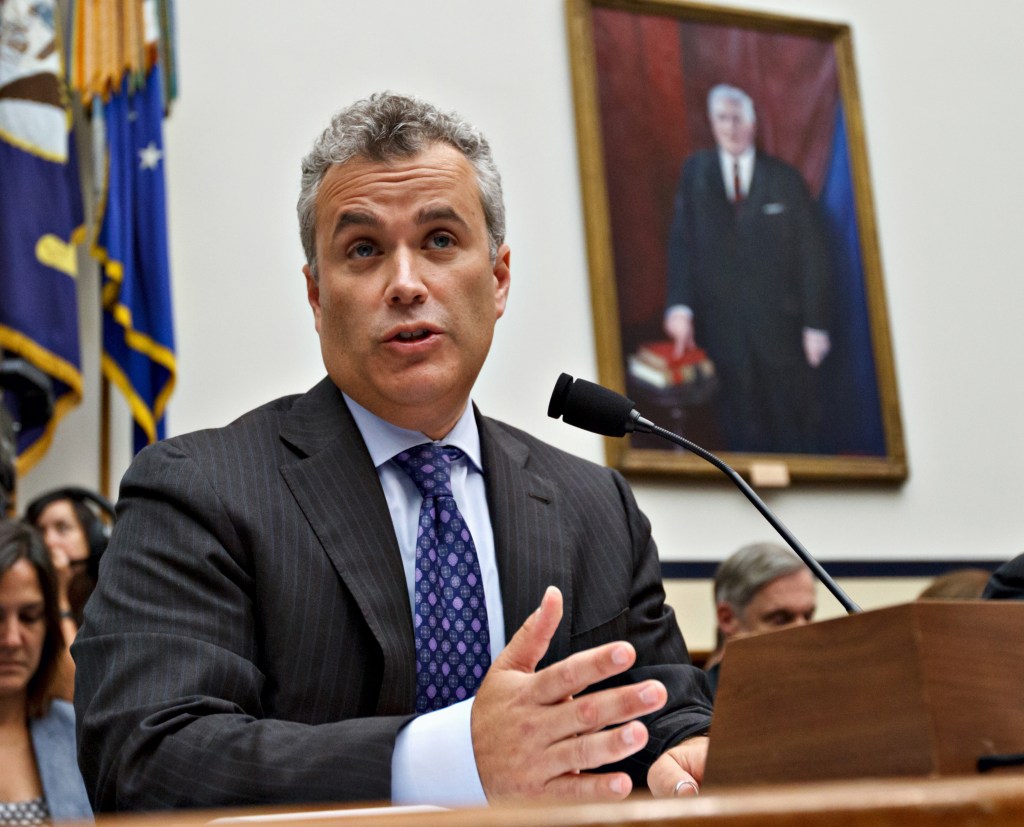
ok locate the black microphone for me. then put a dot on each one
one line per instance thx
(603, 411)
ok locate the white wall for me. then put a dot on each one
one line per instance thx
(940, 91)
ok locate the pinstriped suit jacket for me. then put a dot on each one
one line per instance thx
(250, 640)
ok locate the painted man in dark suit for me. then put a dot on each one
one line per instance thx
(252, 637)
(748, 280)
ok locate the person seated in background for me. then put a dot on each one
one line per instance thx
(759, 588)
(40, 780)
(960, 584)
(1007, 581)
(75, 537)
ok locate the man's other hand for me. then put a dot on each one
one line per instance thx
(680, 770)
(532, 736)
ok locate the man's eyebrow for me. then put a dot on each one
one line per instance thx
(355, 218)
(777, 613)
(428, 214)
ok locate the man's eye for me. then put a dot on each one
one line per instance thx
(441, 241)
(364, 249)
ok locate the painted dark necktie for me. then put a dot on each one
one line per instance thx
(449, 615)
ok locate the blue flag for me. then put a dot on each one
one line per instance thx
(40, 216)
(138, 336)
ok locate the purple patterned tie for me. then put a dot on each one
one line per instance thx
(450, 619)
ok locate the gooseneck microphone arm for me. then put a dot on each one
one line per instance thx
(603, 411)
(646, 426)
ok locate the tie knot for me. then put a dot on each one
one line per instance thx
(429, 466)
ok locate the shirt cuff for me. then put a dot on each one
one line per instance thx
(433, 761)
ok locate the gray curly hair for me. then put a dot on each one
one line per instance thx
(386, 126)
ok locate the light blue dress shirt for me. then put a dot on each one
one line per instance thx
(433, 762)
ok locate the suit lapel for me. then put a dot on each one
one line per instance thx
(758, 188)
(717, 197)
(335, 484)
(525, 510)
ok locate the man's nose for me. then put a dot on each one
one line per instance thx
(405, 283)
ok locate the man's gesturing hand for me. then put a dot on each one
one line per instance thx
(532, 737)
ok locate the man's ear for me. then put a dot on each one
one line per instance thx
(312, 294)
(502, 278)
(728, 620)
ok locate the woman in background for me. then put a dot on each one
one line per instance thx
(76, 536)
(71, 522)
(40, 781)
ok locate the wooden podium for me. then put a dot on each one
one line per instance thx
(869, 705)
(922, 689)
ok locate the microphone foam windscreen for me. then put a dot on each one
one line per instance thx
(591, 407)
(556, 407)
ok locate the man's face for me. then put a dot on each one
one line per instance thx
(786, 601)
(733, 131)
(407, 296)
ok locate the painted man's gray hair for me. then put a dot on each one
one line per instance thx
(385, 127)
(749, 570)
(723, 91)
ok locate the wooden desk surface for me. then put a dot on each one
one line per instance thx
(988, 800)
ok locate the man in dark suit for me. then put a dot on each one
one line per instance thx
(264, 626)
(748, 280)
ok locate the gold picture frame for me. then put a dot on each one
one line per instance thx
(642, 72)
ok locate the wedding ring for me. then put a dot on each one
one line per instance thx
(686, 783)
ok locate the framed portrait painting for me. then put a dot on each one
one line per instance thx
(736, 281)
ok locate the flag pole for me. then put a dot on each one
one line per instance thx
(105, 437)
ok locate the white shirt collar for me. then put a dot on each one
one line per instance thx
(745, 157)
(745, 162)
(384, 440)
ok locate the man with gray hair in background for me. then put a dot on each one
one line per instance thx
(759, 588)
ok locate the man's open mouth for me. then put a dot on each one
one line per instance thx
(413, 335)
